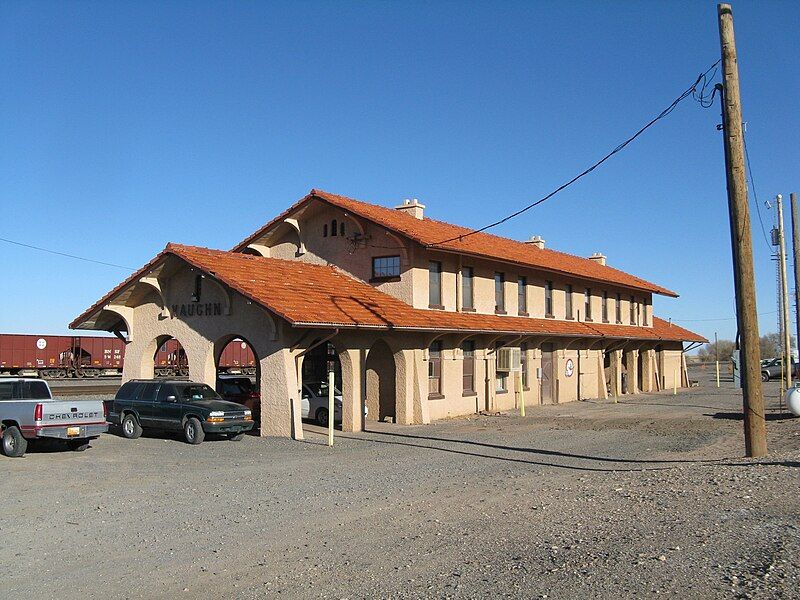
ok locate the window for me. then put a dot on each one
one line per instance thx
(499, 292)
(548, 298)
(605, 307)
(501, 381)
(467, 299)
(435, 370)
(385, 266)
(341, 229)
(434, 284)
(632, 307)
(325, 230)
(568, 301)
(334, 228)
(523, 363)
(587, 304)
(468, 366)
(638, 313)
(522, 296)
(644, 311)
(619, 309)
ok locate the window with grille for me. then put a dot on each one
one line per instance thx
(467, 297)
(385, 266)
(434, 284)
(548, 298)
(499, 292)
(568, 301)
(587, 304)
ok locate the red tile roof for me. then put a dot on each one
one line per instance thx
(308, 295)
(431, 233)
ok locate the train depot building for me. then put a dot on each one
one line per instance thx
(422, 319)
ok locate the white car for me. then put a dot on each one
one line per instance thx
(314, 404)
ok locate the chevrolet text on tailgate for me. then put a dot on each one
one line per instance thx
(28, 411)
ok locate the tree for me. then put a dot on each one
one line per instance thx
(708, 353)
(772, 345)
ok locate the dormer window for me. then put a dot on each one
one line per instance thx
(334, 229)
(341, 229)
(325, 230)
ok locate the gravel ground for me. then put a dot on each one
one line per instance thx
(645, 497)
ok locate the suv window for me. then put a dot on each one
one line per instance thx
(166, 390)
(197, 391)
(128, 390)
(148, 392)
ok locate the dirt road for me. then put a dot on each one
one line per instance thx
(644, 497)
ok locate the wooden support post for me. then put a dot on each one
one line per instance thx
(755, 432)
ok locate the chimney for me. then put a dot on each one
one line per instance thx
(537, 241)
(599, 258)
(412, 207)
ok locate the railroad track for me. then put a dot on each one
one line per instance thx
(83, 390)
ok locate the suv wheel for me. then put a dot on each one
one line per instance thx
(14, 445)
(130, 427)
(764, 376)
(322, 417)
(193, 431)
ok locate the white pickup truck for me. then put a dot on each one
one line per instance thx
(28, 411)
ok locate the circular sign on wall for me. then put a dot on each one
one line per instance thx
(570, 367)
(41, 343)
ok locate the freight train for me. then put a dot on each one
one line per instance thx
(64, 356)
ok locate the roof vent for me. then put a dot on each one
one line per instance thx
(537, 241)
(413, 208)
(599, 258)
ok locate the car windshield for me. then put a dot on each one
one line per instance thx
(196, 391)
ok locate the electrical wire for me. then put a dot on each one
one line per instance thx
(699, 95)
(755, 195)
(91, 260)
(770, 312)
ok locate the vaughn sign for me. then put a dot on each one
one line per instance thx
(197, 309)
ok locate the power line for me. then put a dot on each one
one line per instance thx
(699, 95)
(755, 195)
(770, 312)
(91, 260)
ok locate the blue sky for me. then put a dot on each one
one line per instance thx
(129, 125)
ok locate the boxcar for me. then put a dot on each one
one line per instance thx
(59, 356)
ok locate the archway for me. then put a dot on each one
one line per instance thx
(169, 359)
(238, 373)
(314, 384)
(381, 383)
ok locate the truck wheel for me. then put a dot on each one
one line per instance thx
(322, 417)
(78, 445)
(14, 445)
(130, 427)
(193, 431)
(237, 437)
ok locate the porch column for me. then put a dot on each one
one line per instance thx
(632, 358)
(616, 373)
(352, 361)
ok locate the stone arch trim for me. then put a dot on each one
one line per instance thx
(126, 314)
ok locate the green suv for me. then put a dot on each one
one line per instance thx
(169, 405)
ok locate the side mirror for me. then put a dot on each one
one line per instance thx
(171, 398)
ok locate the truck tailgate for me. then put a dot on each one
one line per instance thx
(72, 412)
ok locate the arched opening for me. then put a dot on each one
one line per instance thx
(640, 370)
(314, 384)
(238, 372)
(170, 358)
(380, 383)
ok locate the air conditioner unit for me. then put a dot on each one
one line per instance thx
(508, 359)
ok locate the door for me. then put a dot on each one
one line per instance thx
(145, 405)
(547, 374)
(169, 413)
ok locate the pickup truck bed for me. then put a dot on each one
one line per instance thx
(28, 412)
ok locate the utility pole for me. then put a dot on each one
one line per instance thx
(755, 431)
(785, 318)
(796, 248)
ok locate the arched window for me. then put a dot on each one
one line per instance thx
(334, 229)
(325, 230)
(341, 229)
